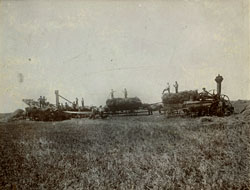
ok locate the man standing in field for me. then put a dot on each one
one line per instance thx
(62, 106)
(74, 105)
(76, 102)
(204, 91)
(167, 89)
(82, 103)
(125, 93)
(40, 101)
(101, 111)
(43, 101)
(66, 106)
(93, 113)
(176, 87)
(150, 110)
(112, 94)
(204, 94)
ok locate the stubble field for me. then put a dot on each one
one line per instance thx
(147, 152)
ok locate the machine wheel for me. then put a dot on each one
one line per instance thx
(217, 109)
(213, 109)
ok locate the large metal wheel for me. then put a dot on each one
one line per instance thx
(217, 109)
(227, 106)
(213, 109)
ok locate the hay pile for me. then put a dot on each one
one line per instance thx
(246, 112)
(179, 98)
(240, 105)
(119, 104)
(16, 115)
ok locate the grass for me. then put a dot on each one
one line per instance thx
(150, 152)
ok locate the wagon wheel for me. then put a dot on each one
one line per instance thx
(228, 107)
(213, 109)
(226, 99)
(217, 109)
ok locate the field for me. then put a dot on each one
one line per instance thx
(147, 152)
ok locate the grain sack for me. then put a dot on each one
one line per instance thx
(180, 98)
(119, 104)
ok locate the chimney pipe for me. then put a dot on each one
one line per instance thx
(219, 80)
(57, 98)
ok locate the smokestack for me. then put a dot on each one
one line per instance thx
(57, 98)
(219, 80)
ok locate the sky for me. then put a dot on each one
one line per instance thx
(86, 48)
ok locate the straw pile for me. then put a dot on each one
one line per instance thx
(16, 115)
(119, 104)
(246, 112)
(179, 98)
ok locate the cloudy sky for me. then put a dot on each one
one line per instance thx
(86, 48)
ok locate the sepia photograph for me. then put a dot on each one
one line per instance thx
(124, 94)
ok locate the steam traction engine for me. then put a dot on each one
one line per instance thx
(192, 103)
